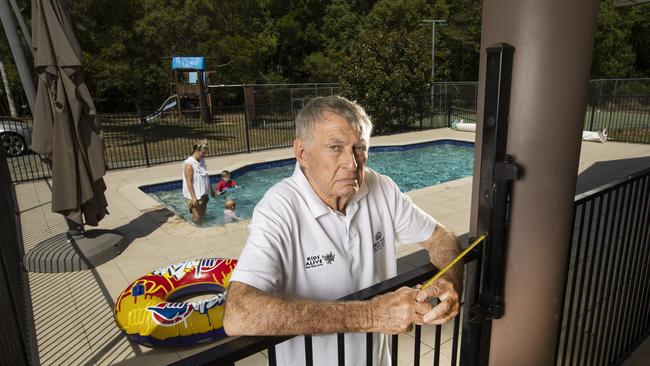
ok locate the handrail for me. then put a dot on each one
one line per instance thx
(242, 347)
(599, 191)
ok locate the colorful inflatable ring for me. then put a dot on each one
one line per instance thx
(147, 313)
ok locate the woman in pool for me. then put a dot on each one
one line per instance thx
(196, 181)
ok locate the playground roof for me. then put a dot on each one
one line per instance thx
(191, 63)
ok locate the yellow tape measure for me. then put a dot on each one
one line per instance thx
(459, 257)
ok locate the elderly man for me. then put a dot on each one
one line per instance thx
(327, 231)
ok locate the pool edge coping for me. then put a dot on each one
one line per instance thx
(144, 203)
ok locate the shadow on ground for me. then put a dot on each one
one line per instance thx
(608, 171)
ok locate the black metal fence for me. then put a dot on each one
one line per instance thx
(14, 339)
(626, 118)
(242, 347)
(133, 140)
(462, 114)
(607, 294)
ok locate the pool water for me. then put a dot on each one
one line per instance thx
(410, 166)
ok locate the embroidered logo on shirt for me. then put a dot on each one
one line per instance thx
(319, 260)
(379, 243)
(329, 257)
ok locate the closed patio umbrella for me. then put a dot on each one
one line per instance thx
(67, 133)
(66, 126)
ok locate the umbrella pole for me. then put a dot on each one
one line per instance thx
(17, 51)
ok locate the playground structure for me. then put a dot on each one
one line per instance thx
(189, 91)
(189, 87)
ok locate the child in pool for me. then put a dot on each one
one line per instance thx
(225, 183)
(229, 214)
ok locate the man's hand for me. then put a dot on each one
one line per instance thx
(194, 201)
(396, 312)
(449, 305)
(443, 247)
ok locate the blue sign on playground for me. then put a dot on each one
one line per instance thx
(194, 63)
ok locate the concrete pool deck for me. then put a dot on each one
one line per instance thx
(73, 311)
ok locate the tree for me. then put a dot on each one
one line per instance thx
(613, 55)
(389, 75)
(340, 26)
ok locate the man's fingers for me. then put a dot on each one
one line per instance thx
(445, 319)
(423, 307)
(432, 291)
(440, 311)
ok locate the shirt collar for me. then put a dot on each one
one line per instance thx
(316, 205)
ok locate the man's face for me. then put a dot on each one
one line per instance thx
(334, 159)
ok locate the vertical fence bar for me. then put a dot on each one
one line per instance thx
(624, 340)
(619, 276)
(592, 116)
(369, 357)
(144, 141)
(639, 218)
(416, 350)
(309, 352)
(438, 343)
(340, 340)
(247, 132)
(639, 316)
(454, 341)
(394, 349)
(573, 283)
(578, 332)
(609, 293)
(589, 303)
(272, 357)
(624, 270)
(599, 273)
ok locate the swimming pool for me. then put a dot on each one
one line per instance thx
(410, 166)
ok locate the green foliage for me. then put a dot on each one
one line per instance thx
(380, 50)
(389, 75)
(613, 54)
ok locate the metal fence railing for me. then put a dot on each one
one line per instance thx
(239, 348)
(626, 118)
(15, 343)
(607, 294)
(462, 114)
(267, 122)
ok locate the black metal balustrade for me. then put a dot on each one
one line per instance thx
(607, 294)
(242, 347)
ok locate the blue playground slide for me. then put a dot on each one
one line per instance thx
(165, 107)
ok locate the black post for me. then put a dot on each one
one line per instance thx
(484, 293)
(593, 114)
(144, 138)
(248, 134)
(449, 100)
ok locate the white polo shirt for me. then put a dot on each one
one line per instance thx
(299, 246)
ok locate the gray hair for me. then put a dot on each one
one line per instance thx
(312, 113)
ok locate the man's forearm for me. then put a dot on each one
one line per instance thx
(250, 311)
(443, 248)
